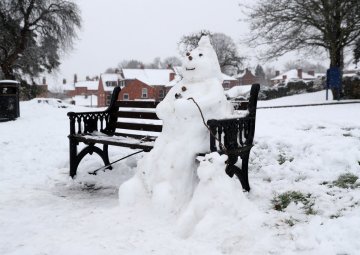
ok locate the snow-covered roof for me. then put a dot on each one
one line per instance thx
(68, 87)
(228, 78)
(293, 75)
(319, 75)
(90, 85)
(110, 77)
(149, 76)
(86, 100)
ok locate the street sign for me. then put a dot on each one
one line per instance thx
(333, 81)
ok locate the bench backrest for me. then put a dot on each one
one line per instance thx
(135, 119)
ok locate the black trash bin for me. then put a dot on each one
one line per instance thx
(9, 100)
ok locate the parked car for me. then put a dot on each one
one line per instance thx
(52, 101)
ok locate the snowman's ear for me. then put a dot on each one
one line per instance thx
(204, 41)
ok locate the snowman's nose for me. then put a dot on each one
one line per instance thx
(190, 58)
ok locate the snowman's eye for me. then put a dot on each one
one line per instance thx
(200, 55)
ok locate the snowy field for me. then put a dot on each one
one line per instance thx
(299, 152)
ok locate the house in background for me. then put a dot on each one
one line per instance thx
(95, 92)
(229, 82)
(145, 84)
(246, 77)
(107, 83)
(292, 75)
(82, 92)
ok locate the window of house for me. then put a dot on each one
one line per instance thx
(226, 84)
(108, 99)
(161, 93)
(144, 93)
(126, 96)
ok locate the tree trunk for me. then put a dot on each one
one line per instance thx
(8, 72)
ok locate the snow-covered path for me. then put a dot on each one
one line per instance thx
(43, 211)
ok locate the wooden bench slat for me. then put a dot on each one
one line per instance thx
(146, 146)
(136, 136)
(137, 104)
(141, 121)
(137, 115)
(136, 126)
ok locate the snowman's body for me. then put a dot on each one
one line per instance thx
(167, 172)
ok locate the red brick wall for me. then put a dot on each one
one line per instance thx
(134, 89)
(248, 78)
(101, 94)
(157, 92)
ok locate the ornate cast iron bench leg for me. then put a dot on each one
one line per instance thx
(242, 173)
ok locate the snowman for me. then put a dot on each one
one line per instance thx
(167, 174)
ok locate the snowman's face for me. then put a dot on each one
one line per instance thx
(201, 63)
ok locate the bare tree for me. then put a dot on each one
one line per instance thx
(287, 25)
(33, 32)
(305, 66)
(132, 64)
(225, 48)
(171, 62)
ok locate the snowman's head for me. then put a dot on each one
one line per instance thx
(201, 63)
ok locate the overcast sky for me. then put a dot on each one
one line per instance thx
(115, 30)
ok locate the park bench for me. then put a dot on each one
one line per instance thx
(134, 124)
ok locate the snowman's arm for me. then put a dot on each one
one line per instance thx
(166, 107)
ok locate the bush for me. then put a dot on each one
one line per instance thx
(290, 88)
(351, 87)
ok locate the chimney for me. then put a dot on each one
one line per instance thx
(311, 73)
(284, 77)
(64, 81)
(172, 76)
(299, 71)
(75, 78)
(87, 78)
(44, 81)
(277, 73)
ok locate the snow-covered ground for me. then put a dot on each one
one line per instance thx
(305, 149)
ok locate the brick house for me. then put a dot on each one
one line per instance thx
(81, 88)
(292, 75)
(246, 77)
(107, 83)
(92, 92)
(145, 84)
(229, 82)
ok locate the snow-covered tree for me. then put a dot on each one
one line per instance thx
(287, 25)
(229, 59)
(33, 33)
